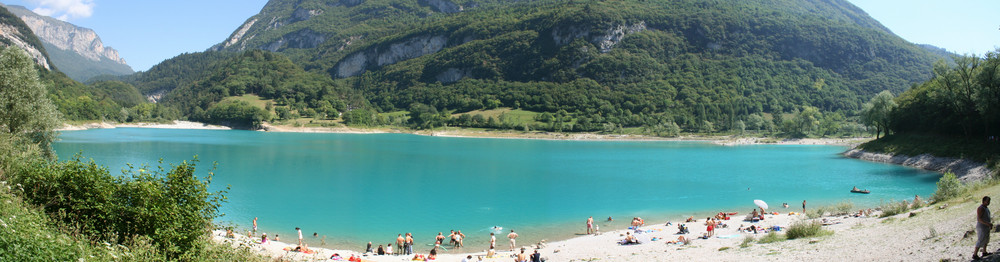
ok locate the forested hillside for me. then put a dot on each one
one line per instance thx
(699, 64)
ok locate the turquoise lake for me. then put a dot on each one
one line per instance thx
(355, 188)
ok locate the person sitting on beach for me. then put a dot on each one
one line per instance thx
(629, 239)
(536, 257)
(521, 257)
(388, 249)
(381, 250)
(681, 229)
(369, 248)
(263, 238)
(690, 219)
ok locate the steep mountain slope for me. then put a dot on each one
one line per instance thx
(13, 32)
(77, 51)
(703, 64)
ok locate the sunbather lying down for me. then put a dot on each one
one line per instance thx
(680, 240)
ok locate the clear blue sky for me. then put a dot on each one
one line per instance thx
(146, 32)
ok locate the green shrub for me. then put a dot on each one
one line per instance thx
(843, 208)
(893, 208)
(770, 238)
(173, 209)
(747, 241)
(803, 229)
(948, 187)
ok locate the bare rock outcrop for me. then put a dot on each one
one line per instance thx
(965, 170)
(605, 40)
(409, 48)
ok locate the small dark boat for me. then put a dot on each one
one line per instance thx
(860, 191)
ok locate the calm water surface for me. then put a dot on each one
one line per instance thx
(355, 188)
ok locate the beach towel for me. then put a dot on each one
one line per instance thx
(729, 236)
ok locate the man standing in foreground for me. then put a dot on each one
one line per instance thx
(983, 225)
(512, 236)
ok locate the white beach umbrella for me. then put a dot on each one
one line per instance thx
(760, 203)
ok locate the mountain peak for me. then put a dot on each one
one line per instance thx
(66, 39)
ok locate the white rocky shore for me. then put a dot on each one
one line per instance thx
(177, 124)
(965, 170)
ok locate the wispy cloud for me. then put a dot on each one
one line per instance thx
(65, 9)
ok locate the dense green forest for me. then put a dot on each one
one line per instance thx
(702, 66)
(954, 114)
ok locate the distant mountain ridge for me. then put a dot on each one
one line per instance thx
(77, 51)
(704, 65)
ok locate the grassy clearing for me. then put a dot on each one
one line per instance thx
(517, 115)
(250, 98)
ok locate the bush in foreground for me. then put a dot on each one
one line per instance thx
(948, 187)
(803, 229)
(174, 209)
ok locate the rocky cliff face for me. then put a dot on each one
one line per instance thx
(67, 36)
(409, 48)
(14, 33)
(11, 34)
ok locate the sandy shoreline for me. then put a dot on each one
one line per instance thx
(494, 134)
(177, 124)
(926, 234)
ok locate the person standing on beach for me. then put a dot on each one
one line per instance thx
(254, 225)
(493, 241)
(460, 238)
(409, 244)
(983, 225)
(803, 206)
(590, 225)
(399, 243)
(300, 235)
(513, 242)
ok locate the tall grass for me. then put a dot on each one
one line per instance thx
(771, 238)
(892, 208)
(747, 241)
(803, 229)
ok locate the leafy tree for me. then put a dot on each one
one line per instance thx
(807, 121)
(24, 108)
(876, 113)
